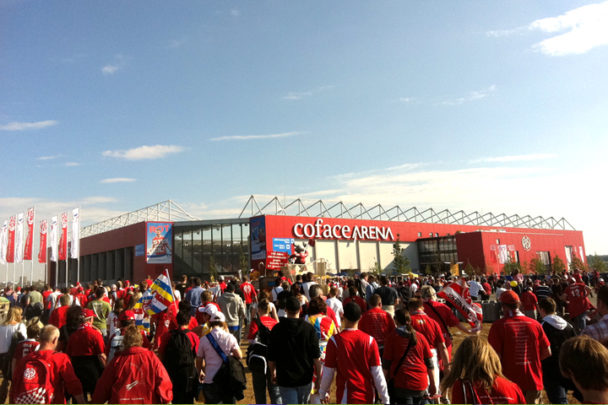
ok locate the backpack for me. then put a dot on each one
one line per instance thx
(179, 360)
(231, 375)
(35, 386)
(258, 350)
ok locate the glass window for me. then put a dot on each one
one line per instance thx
(197, 251)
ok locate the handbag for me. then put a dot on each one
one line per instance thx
(231, 375)
(390, 384)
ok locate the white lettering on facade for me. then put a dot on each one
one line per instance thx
(319, 230)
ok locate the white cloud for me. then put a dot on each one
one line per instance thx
(51, 157)
(255, 137)
(406, 100)
(71, 164)
(298, 95)
(144, 152)
(471, 96)
(117, 180)
(235, 12)
(514, 158)
(118, 64)
(577, 31)
(176, 43)
(24, 126)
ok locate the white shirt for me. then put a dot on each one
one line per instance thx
(6, 335)
(474, 288)
(336, 305)
(213, 361)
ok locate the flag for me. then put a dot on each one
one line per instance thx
(42, 250)
(54, 239)
(63, 240)
(10, 244)
(19, 239)
(162, 294)
(142, 321)
(3, 242)
(29, 240)
(75, 250)
(458, 295)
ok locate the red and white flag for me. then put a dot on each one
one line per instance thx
(54, 239)
(29, 240)
(3, 242)
(42, 251)
(19, 239)
(75, 248)
(457, 294)
(63, 240)
(10, 244)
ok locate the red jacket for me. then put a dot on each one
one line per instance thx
(62, 376)
(59, 316)
(137, 371)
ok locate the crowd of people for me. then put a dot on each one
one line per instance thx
(374, 339)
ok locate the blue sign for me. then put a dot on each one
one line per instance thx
(282, 244)
(140, 250)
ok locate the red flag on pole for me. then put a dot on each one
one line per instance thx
(10, 251)
(63, 240)
(29, 240)
(42, 252)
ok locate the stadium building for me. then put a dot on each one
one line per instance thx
(321, 237)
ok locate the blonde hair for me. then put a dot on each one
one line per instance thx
(475, 361)
(13, 316)
(132, 337)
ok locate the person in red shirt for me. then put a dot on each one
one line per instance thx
(250, 297)
(431, 330)
(59, 315)
(521, 345)
(578, 304)
(62, 378)
(585, 361)
(28, 345)
(377, 322)
(442, 314)
(354, 356)
(353, 296)
(206, 298)
(529, 303)
(476, 376)
(135, 375)
(408, 361)
(86, 349)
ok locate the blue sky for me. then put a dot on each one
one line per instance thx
(490, 106)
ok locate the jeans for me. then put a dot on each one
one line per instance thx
(215, 395)
(556, 393)
(260, 382)
(296, 395)
(236, 332)
(407, 397)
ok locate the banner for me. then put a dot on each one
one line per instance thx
(162, 294)
(3, 242)
(63, 240)
(75, 250)
(54, 239)
(19, 239)
(458, 295)
(42, 251)
(159, 242)
(29, 240)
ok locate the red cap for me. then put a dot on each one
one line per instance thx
(509, 297)
(88, 313)
(126, 315)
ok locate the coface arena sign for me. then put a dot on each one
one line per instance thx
(319, 230)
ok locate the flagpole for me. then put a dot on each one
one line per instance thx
(32, 247)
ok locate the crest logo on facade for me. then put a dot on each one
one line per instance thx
(526, 243)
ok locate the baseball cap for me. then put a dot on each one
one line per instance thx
(208, 309)
(218, 317)
(127, 315)
(88, 313)
(509, 297)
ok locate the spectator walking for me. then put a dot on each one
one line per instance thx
(389, 296)
(599, 330)
(294, 355)
(521, 345)
(353, 355)
(233, 308)
(376, 322)
(476, 376)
